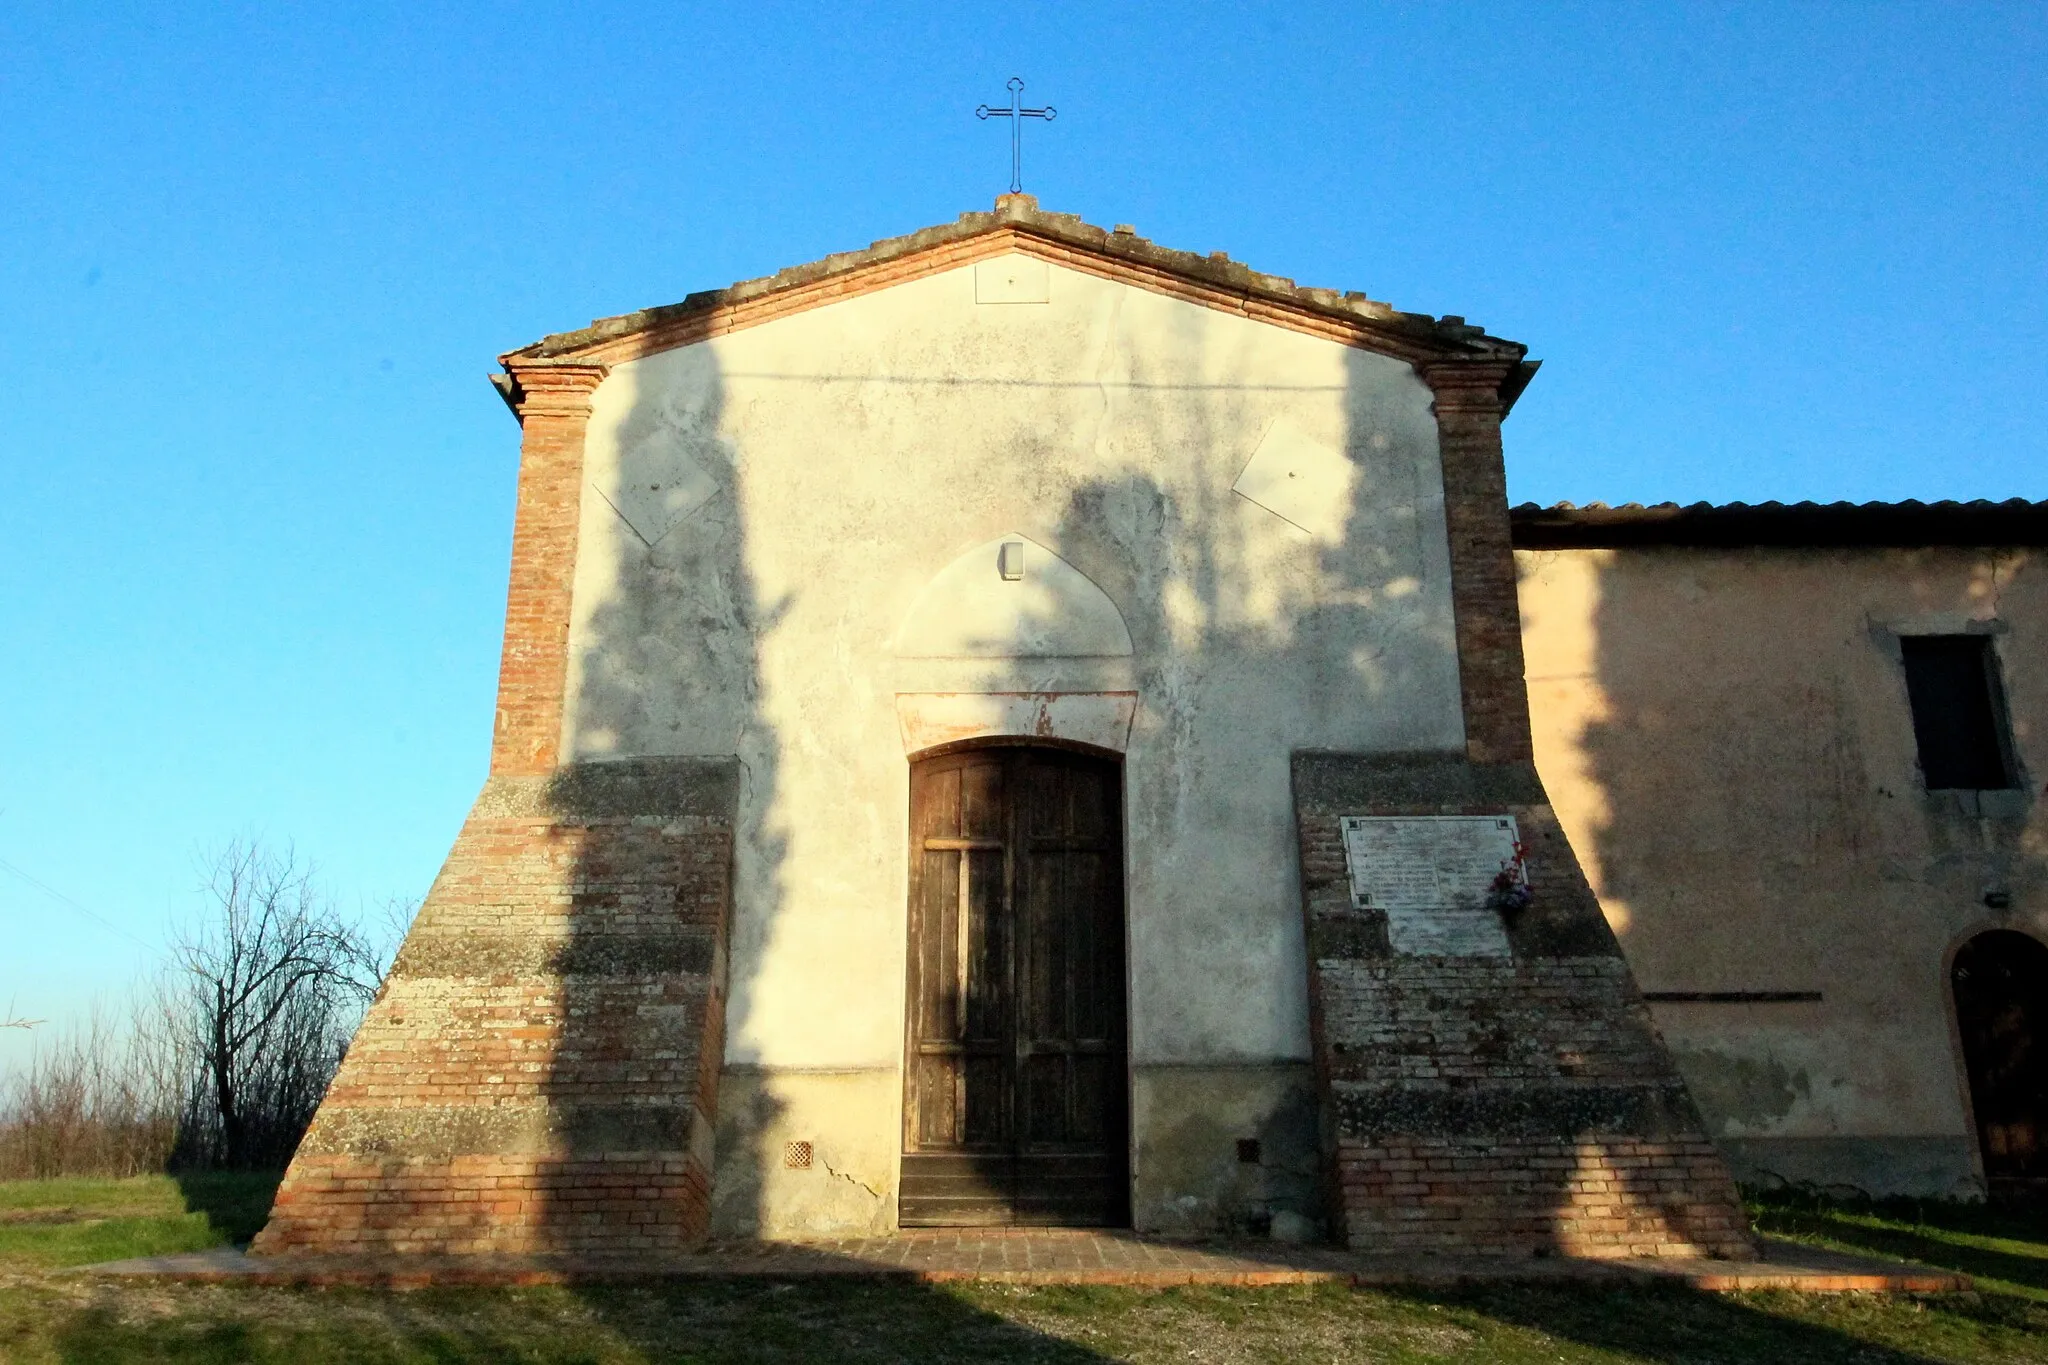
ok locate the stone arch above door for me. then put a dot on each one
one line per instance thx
(1012, 598)
(1100, 720)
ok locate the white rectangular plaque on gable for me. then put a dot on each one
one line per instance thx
(1012, 279)
(1433, 876)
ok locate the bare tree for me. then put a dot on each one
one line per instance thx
(273, 980)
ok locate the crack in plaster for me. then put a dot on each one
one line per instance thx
(837, 1174)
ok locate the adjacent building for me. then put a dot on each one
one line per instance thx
(1798, 751)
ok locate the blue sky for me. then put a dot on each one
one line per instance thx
(255, 496)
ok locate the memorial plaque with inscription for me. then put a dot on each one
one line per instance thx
(1433, 876)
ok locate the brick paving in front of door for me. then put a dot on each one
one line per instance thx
(1052, 1256)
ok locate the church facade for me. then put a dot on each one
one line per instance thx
(1014, 725)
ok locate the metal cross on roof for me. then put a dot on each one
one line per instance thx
(1016, 114)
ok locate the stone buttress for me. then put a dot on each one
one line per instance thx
(1482, 1104)
(539, 1072)
(1519, 1105)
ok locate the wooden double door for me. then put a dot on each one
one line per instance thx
(1015, 1101)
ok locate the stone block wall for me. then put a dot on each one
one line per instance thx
(1521, 1105)
(539, 1073)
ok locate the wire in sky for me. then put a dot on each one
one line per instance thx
(65, 900)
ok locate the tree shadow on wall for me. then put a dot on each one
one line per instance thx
(1248, 619)
(1229, 682)
(671, 855)
(668, 663)
(1245, 624)
(1761, 824)
(676, 894)
(1251, 636)
(1207, 645)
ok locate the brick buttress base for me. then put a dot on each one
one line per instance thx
(1517, 1105)
(539, 1072)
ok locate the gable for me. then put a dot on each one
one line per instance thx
(1018, 229)
(785, 500)
(1016, 372)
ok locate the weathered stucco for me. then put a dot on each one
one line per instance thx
(1193, 1176)
(765, 511)
(1726, 738)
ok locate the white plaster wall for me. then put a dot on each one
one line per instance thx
(763, 509)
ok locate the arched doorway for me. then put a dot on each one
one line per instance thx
(1015, 1056)
(2000, 979)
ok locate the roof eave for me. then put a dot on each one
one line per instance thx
(1213, 280)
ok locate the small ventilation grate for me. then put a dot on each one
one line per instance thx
(796, 1155)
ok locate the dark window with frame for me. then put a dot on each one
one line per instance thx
(1958, 714)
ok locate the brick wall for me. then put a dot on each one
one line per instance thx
(553, 402)
(1601, 1198)
(540, 1071)
(1515, 1105)
(1483, 593)
(1533, 1020)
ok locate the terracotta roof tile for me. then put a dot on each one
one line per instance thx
(1562, 525)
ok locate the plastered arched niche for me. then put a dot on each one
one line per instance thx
(1013, 599)
(1029, 605)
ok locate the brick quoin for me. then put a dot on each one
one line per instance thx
(1483, 594)
(553, 405)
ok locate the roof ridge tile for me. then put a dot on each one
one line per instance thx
(1021, 212)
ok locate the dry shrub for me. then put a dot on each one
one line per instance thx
(99, 1098)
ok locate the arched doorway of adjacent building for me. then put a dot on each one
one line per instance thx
(1015, 1066)
(2000, 980)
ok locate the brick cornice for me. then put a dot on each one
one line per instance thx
(552, 388)
(1468, 386)
(719, 319)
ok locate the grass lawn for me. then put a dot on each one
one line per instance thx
(2005, 1251)
(47, 1224)
(49, 1316)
